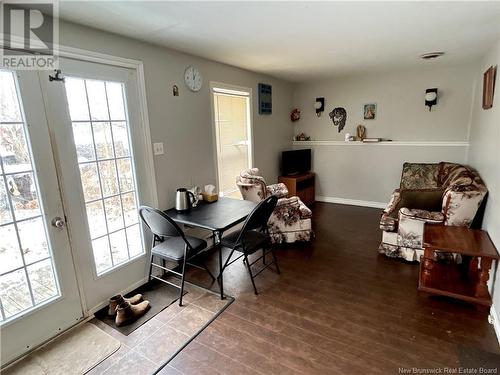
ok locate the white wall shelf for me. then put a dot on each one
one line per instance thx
(384, 143)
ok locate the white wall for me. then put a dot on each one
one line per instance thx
(484, 155)
(367, 174)
(371, 172)
(185, 126)
(401, 113)
(184, 123)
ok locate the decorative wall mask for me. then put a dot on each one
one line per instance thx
(339, 117)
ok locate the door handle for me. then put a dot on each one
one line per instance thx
(58, 222)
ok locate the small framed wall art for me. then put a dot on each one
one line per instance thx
(265, 99)
(370, 111)
(489, 86)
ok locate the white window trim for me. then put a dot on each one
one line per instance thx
(224, 88)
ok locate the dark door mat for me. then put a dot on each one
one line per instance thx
(159, 295)
(475, 358)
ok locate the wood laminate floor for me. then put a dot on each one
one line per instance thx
(337, 308)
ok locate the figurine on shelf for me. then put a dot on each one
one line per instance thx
(295, 115)
(349, 138)
(302, 137)
(360, 132)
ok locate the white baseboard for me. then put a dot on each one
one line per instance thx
(351, 202)
(496, 322)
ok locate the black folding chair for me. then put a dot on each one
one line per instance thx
(171, 244)
(253, 236)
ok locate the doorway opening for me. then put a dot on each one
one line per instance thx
(233, 133)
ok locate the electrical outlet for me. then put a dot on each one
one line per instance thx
(491, 319)
(158, 148)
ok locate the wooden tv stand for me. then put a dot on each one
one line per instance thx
(301, 185)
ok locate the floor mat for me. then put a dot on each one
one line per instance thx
(159, 295)
(75, 352)
(154, 345)
(475, 358)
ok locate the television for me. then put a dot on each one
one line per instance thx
(295, 162)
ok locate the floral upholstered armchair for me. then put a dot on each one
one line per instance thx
(442, 193)
(291, 219)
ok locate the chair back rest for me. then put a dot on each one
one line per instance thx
(252, 186)
(420, 176)
(250, 191)
(258, 218)
(159, 222)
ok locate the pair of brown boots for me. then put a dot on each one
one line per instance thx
(127, 310)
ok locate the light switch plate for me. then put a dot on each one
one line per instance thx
(158, 148)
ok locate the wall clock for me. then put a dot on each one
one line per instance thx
(193, 78)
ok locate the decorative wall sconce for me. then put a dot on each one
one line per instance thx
(319, 105)
(431, 96)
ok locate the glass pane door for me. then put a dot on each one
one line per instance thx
(95, 118)
(102, 140)
(27, 275)
(37, 275)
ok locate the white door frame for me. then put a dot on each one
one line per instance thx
(138, 66)
(235, 88)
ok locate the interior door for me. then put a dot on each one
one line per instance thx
(232, 129)
(37, 275)
(94, 119)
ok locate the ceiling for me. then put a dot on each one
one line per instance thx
(300, 41)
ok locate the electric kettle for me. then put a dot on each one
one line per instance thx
(184, 200)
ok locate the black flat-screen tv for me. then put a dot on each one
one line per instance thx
(295, 162)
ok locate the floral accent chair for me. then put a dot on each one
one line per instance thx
(441, 193)
(291, 219)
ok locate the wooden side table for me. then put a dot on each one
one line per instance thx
(466, 281)
(301, 185)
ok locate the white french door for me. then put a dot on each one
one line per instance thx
(72, 173)
(38, 289)
(94, 118)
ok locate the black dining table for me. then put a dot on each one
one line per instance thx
(216, 217)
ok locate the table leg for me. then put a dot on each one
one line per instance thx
(484, 275)
(427, 265)
(221, 270)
